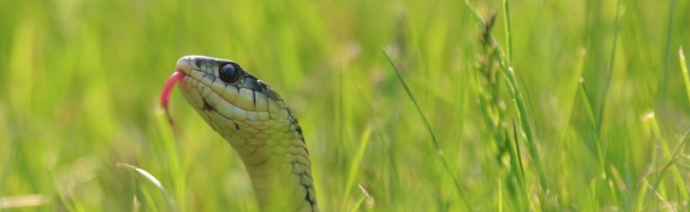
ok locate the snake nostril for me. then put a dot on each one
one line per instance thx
(253, 85)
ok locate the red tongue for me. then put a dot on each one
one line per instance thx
(167, 89)
(165, 95)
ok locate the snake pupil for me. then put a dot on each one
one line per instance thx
(229, 73)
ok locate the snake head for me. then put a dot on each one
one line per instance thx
(255, 121)
(223, 92)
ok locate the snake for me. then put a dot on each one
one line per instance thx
(256, 122)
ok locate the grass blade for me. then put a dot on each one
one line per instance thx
(590, 115)
(509, 39)
(352, 176)
(609, 71)
(684, 69)
(167, 131)
(517, 162)
(667, 48)
(23, 201)
(666, 167)
(656, 130)
(148, 176)
(360, 200)
(431, 132)
(500, 196)
(584, 95)
(531, 143)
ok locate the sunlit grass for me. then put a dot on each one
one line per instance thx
(585, 107)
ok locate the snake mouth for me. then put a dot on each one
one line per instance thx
(247, 98)
(184, 65)
(182, 69)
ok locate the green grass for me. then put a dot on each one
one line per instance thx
(558, 106)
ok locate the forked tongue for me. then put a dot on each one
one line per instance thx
(167, 91)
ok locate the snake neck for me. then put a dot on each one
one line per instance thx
(274, 153)
(283, 182)
(277, 161)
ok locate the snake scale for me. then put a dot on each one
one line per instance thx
(255, 121)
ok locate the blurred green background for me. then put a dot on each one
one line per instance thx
(80, 81)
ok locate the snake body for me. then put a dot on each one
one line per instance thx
(255, 121)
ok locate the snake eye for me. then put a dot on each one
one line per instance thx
(229, 73)
(197, 63)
